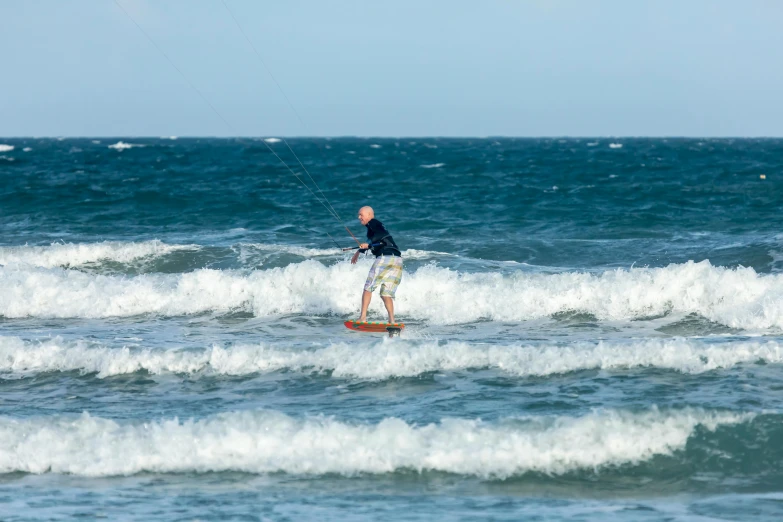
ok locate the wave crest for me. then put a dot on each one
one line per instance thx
(268, 442)
(80, 254)
(739, 298)
(381, 360)
(121, 145)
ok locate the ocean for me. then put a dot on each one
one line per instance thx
(594, 330)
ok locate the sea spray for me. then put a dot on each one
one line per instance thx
(738, 298)
(269, 442)
(383, 359)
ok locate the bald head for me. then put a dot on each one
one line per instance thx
(365, 215)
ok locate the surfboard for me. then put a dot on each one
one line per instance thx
(367, 326)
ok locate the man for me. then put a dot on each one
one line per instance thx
(386, 271)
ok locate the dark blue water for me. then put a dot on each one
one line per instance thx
(593, 330)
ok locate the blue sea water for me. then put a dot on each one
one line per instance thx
(594, 330)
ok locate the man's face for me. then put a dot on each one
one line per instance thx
(364, 216)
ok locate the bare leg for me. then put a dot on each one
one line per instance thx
(366, 296)
(389, 302)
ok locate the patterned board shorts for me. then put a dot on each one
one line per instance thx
(386, 271)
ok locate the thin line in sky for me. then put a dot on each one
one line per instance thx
(329, 208)
(260, 59)
(174, 65)
(280, 88)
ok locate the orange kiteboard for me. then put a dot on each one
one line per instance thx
(365, 326)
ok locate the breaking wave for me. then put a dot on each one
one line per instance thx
(269, 442)
(247, 254)
(738, 298)
(121, 145)
(247, 249)
(382, 359)
(79, 254)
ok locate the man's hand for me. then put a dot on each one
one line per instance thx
(363, 246)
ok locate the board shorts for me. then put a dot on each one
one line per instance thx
(386, 271)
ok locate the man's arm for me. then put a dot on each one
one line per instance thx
(378, 231)
(358, 252)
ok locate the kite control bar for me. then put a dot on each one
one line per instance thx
(357, 248)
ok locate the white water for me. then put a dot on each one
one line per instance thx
(79, 254)
(738, 298)
(250, 248)
(381, 359)
(267, 442)
(121, 145)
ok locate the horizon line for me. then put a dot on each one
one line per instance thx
(351, 136)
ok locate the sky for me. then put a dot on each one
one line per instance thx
(391, 68)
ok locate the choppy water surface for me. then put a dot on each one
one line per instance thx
(593, 331)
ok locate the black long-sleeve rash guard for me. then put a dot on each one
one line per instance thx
(381, 242)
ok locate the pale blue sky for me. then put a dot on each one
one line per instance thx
(394, 68)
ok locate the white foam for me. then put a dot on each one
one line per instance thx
(375, 146)
(432, 166)
(615, 145)
(272, 140)
(79, 254)
(289, 249)
(413, 253)
(738, 298)
(269, 442)
(248, 248)
(26, 149)
(6, 148)
(121, 145)
(377, 360)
